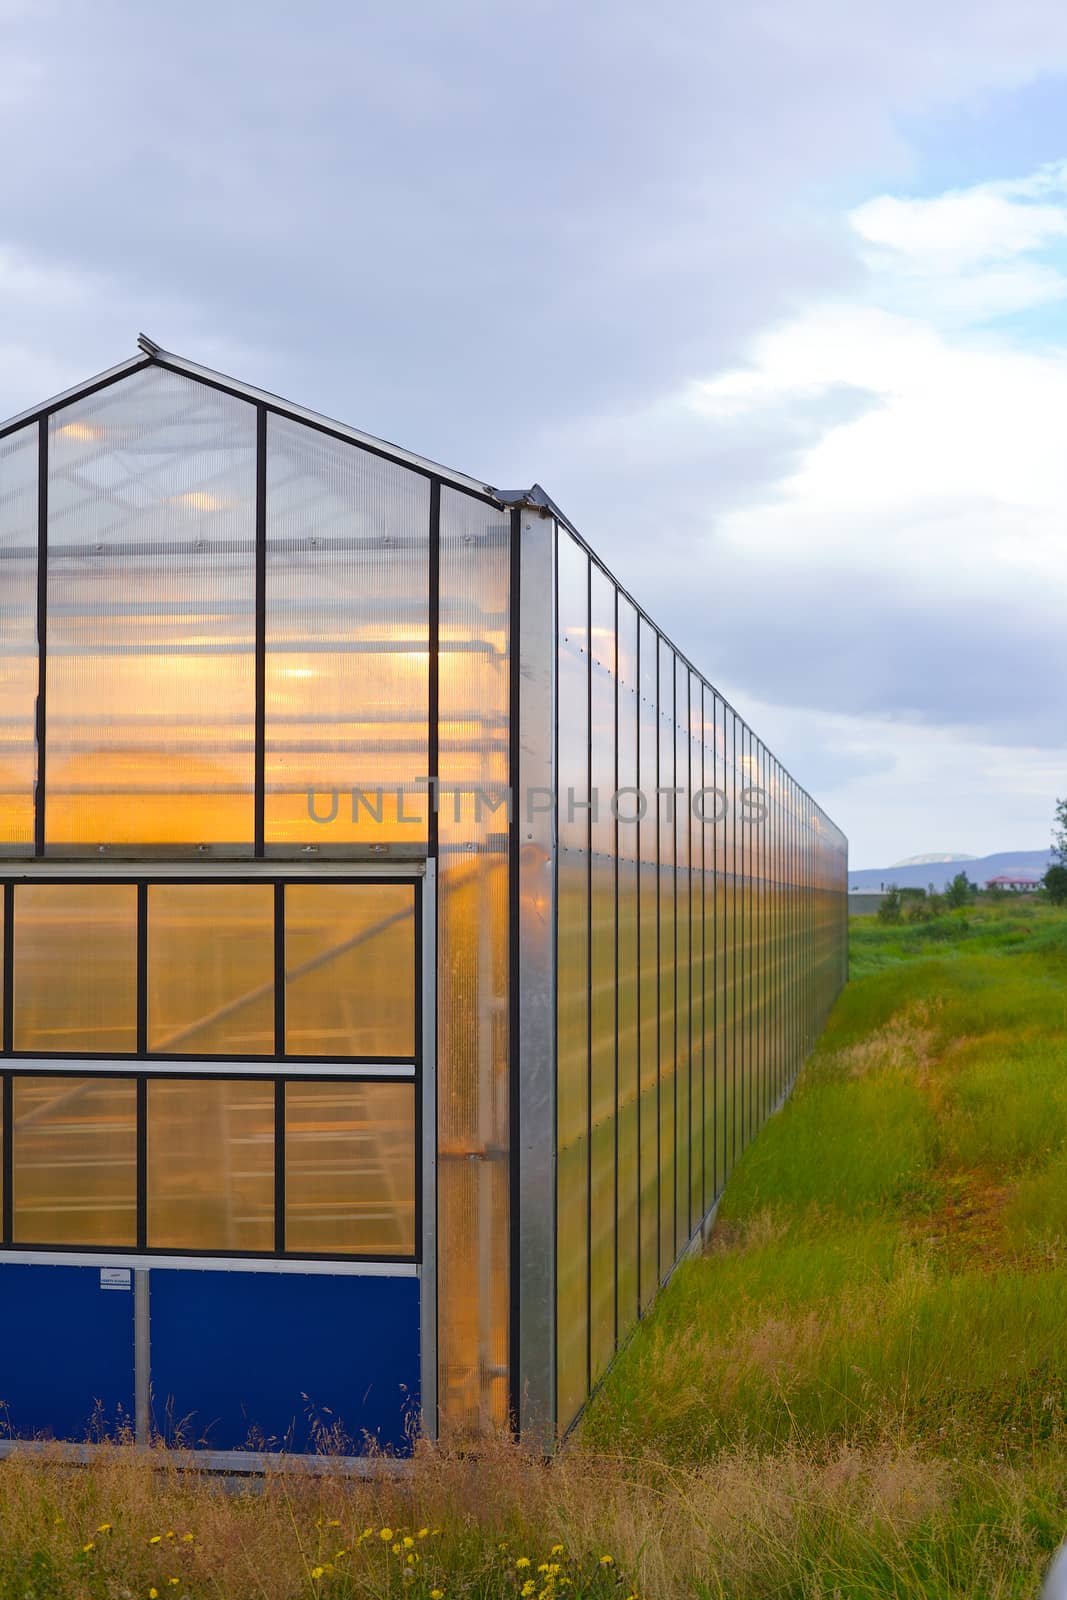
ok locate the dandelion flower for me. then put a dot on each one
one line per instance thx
(170, 1533)
(334, 1522)
(105, 1527)
(409, 1543)
(187, 1538)
(528, 1589)
(523, 1561)
(556, 1550)
(87, 1547)
(157, 1538)
(437, 1594)
(397, 1548)
(607, 1561)
(423, 1532)
(386, 1534)
(317, 1572)
(153, 1594)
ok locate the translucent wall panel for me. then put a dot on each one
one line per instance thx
(347, 631)
(628, 809)
(668, 946)
(350, 969)
(75, 968)
(74, 1161)
(211, 969)
(472, 954)
(573, 982)
(602, 1126)
(682, 940)
(698, 1097)
(648, 935)
(210, 1164)
(151, 618)
(350, 1168)
(18, 637)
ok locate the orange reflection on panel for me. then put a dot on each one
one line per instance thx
(210, 1164)
(211, 969)
(350, 1168)
(74, 1161)
(350, 969)
(75, 968)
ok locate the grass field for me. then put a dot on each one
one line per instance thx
(860, 1390)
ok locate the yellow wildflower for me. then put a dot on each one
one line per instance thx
(528, 1589)
(437, 1594)
(386, 1534)
(411, 1560)
(170, 1533)
(523, 1561)
(409, 1543)
(153, 1594)
(87, 1547)
(607, 1561)
(187, 1538)
(334, 1522)
(423, 1532)
(105, 1527)
(556, 1550)
(397, 1549)
(317, 1572)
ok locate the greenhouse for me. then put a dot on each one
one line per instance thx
(401, 938)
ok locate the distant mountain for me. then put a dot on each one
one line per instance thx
(922, 861)
(922, 871)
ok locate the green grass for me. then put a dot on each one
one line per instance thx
(888, 1279)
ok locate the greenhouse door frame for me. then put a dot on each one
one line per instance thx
(137, 1266)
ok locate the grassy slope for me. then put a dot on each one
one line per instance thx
(860, 1391)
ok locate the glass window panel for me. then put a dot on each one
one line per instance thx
(210, 1163)
(668, 1083)
(74, 1161)
(573, 984)
(698, 1093)
(18, 638)
(472, 942)
(350, 1168)
(628, 1079)
(648, 889)
(682, 889)
(602, 968)
(75, 968)
(348, 639)
(350, 969)
(151, 617)
(211, 969)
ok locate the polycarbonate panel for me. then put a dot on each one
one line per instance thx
(473, 1153)
(698, 1096)
(350, 969)
(602, 973)
(75, 968)
(350, 1168)
(628, 976)
(348, 639)
(150, 733)
(211, 969)
(683, 909)
(648, 936)
(668, 1044)
(573, 981)
(210, 1164)
(74, 1161)
(18, 638)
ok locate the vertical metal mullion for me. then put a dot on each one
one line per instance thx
(589, 976)
(659, 984)
(142, 968)
(8, 1140)
(433, 706)
(639, 898)
(40, 788)
(142, 1161)
(7, 924)
(261, 633)
(279, 970)
(513, 963)
(279, 1166)
(615, 852)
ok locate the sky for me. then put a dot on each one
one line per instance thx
(771, 298)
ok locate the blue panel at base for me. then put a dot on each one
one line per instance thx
(66, 1353)
(267, 1360)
